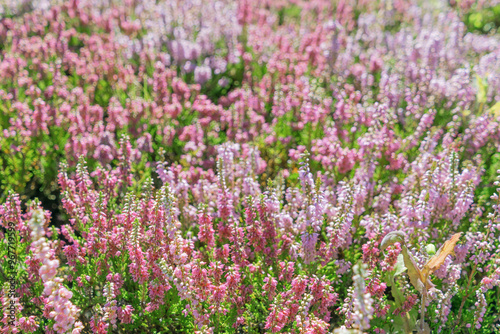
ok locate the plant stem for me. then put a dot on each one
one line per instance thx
(422, 310)
(406, 323)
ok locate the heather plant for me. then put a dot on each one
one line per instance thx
(249, 166)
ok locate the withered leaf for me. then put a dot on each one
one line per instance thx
(391, 238)
(426, 329)
(438, 259)
(414, 272)
(416, 276)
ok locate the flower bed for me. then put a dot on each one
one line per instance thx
(250, 167)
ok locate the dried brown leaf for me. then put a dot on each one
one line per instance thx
(420, 278)
(438, 259)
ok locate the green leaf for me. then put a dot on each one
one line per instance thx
(482, 89)
(399, 268)
(495, 110)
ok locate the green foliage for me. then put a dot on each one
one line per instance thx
(486, 20)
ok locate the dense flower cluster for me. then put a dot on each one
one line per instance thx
(233, 166)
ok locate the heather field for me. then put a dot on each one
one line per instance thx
(250, 166)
